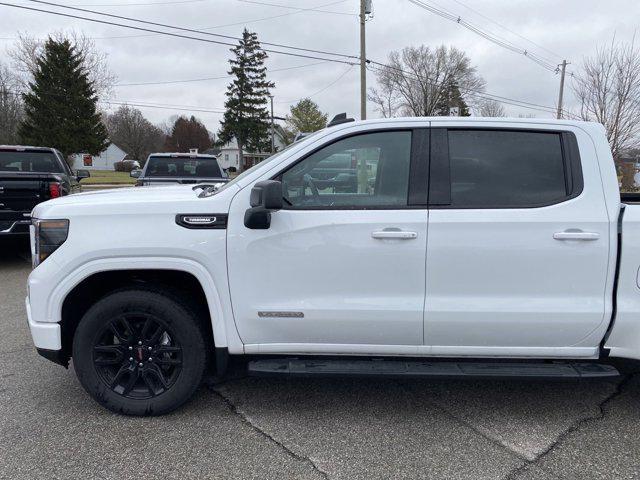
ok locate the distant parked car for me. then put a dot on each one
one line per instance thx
(28, 176)
(134, 164)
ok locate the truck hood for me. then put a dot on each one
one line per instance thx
(136, 200)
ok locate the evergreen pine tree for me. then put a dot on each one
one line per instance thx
(246, 117)
(451, 98)
(61, 106)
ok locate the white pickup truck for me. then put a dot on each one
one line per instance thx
(410, 247)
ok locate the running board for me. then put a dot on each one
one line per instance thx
(420, 368)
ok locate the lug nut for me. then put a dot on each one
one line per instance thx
(140, 342)
(141, 364)
(131, 359)
(149, 349)
(150, 359)
(130, 348)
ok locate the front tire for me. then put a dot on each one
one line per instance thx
(140, 352)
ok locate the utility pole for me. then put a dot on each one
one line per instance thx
(363, 60)
(563, 68)
(273, 131)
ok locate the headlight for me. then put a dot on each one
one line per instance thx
(48, 235)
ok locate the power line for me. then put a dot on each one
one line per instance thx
(508, 29)
(170, 82)
(134, 4)
(161, 106)
(487, 35)
(298, 8)
(477, 93)
(190, 30)
(301, 10)
(484, 95)
(140, 104)
(326, 87)
(171, 34)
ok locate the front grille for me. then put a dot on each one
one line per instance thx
(5, 225)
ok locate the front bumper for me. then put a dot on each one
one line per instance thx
(46, 336)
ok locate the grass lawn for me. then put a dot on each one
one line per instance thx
(108, 177)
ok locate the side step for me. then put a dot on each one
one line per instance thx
(421, 368)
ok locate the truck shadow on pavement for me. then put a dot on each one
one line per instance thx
(14, 250)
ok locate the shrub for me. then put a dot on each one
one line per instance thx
(123, 166)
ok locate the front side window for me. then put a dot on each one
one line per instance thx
(363, 171)
(493, 168)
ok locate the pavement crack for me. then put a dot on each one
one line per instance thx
(468, 425)
(577, 425)
(247, 421)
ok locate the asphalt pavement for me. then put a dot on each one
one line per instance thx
(309, 428)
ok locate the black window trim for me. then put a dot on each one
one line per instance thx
(440, 165)
(417, 194)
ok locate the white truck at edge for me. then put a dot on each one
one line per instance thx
(444, 237)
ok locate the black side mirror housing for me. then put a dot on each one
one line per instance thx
(266, 197)
(80, 174)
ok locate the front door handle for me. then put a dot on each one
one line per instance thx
(576, 235)
(396, 234)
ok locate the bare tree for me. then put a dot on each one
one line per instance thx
(133, 133)
(27, 49)
(417, 80)
(608, 89)
(491, 108)
(11, 107)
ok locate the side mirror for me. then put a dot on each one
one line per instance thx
(135, 173)
(266, 197)
(80, 174)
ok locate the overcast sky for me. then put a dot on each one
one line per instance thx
(570, 29)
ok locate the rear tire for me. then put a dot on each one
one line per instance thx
(140, 352)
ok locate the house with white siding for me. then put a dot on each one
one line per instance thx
(229, 156)
(104, 161)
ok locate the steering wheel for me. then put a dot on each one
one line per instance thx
(308, 180)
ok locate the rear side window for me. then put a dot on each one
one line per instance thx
(493, 168)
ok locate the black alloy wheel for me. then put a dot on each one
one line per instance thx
(136, 356)
(142, 350)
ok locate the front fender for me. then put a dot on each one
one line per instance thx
(49, 308)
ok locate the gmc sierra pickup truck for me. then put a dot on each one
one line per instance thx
(28, 176)
(464, 247)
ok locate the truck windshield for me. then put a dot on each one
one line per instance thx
(183, 167)
(14, 161)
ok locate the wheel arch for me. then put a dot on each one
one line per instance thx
(77, 292)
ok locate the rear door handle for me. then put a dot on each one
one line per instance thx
(577, 235)
(397, 234)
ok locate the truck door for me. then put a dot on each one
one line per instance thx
(518, 245)
(344, 262)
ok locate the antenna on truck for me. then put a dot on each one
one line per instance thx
(338, 119)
